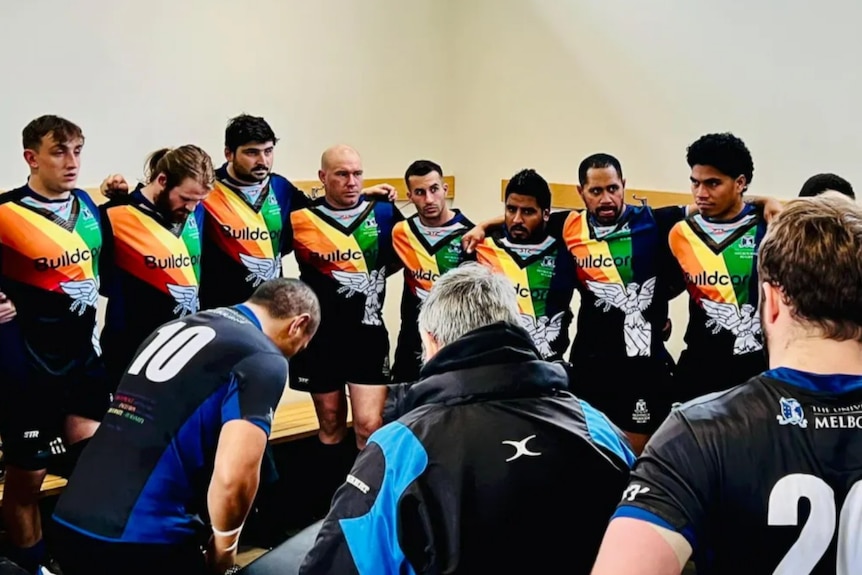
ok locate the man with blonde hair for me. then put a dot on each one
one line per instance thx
(487, 454)
(725, 477)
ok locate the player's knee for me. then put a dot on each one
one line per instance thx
(22, 486)
(331, 422)
(365, 425)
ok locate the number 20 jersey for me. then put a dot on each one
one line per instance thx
(143, 477)
(763, 478)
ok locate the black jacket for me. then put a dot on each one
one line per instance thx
(490, 468)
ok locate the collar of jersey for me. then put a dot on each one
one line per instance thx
(832, 382)
(747, 210)
(244, 310)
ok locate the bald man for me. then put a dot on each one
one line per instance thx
(343, 245)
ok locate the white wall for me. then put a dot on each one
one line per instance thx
(544, 83)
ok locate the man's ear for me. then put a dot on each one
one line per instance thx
(771, 302)
(546, 215)
(430, 347)
(30, 158)
(741, 183)
(298, 325)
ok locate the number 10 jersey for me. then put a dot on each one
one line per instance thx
(143, 477)
(763, 478)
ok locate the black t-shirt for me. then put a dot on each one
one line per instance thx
(762, 478)
(144, 475)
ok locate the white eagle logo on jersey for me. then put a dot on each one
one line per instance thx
(261, 269)
(741, 322)
(632, 300)
(186, 298)
(370, 285)
(544, 330)
(84, 294)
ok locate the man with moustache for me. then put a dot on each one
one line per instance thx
(536, 263)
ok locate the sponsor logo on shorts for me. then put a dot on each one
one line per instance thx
(641, 413)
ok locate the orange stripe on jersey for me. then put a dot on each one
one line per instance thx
(137, 236)
(490, 254)
(324, 247)
(695, 258)
(229, 211)
(415, 258)
(576, 234)
(33, 240)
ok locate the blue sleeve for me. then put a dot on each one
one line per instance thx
(387, 215)
(361, 533)
(290, 199)
(255, 389)
(605, 434)
(106, 254)
(674, 280)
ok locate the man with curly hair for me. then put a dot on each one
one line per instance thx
(716, 248)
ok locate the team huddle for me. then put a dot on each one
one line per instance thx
(171, 402)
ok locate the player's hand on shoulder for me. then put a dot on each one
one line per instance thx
(7, 309)
(771, 209)
(381, 191)
(473, 238)
(114, 186)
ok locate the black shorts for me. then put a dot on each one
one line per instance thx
(333, 359)
(34, 405)
(408, 355)
(698, 374)
(634, 393)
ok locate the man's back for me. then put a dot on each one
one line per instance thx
(516, 469)
(156, 445)
(786, 502)
(490, 457)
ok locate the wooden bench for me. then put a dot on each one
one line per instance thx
(52, 485)
(298, 420)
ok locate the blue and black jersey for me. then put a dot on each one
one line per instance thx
(155, 447)
(763, 478)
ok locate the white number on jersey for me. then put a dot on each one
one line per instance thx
(171, 350)
(816, 534)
